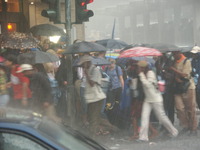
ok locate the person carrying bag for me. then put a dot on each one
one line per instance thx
(185, 100)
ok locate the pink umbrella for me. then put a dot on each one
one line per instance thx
(139, 52)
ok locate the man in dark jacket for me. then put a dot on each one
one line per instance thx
(41, 92)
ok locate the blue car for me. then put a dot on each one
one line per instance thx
(26, 130)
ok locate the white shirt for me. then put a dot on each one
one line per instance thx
(149, 83)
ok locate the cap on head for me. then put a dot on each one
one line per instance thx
(24, 67)
(195, 50)
(84, 59)
(142, 63)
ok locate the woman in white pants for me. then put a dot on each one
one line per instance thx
(153, 100)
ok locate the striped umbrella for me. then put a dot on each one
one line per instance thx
(140, 52)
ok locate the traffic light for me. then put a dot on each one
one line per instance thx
(9, 27)
(82, 13)
(53, 13)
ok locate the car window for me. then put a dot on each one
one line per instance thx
(58, 134)
(9, 141)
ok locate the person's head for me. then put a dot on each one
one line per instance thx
(143, 65)
(112, 62)
(176, 55)
(85, 61)
(10, 60)
(26, 69)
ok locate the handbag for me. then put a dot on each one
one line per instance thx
(181, 87)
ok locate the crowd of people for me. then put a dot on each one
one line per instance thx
(135, 89)
(165, 85)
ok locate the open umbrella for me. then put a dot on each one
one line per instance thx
(139, 52)
(163, 47)
(36, 57)
(97, 61)
(84, 47)
(17, 40)
(112, 43)
(46, 30)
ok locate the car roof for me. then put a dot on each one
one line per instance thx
(13, 115)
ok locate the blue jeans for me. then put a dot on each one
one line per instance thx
(4, 99)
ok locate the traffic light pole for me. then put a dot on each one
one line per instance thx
(70, 87)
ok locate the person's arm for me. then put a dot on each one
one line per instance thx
(91, 83)
(121, 81)
(24, 93)
(179, 73)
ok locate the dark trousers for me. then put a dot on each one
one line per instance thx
(114, 95)
(169, 104)
(94, 115)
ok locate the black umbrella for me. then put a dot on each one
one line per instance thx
(36, 57)
(97, 61)
(163, 47)
(112, 43)
(46, 30)
(17, 40)
(84, 47)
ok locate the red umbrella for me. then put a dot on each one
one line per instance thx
(139, 52)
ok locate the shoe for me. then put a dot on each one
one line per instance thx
(141, 141)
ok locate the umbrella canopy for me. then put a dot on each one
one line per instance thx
(139, 52)
(98, 61)
(134, 45)
(17, 40)
(46, 30)
(112, 55)
(112, 43)
(124, 61)
(36, 57)
(163, 47)
(84, 47)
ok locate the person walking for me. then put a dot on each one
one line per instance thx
(93, 94)
(185, 103)
(153, 101)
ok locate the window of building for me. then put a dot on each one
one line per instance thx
(13, 6)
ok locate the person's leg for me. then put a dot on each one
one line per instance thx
(146, 109)
(164, 120)
(180, 108)
(190, 106)
(94, 110)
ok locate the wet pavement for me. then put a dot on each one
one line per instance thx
(121, 141)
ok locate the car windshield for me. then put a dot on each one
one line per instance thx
(63, 136)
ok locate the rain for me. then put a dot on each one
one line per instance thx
(131, 82)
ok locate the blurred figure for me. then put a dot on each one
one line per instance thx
(153, 100)
(19, 83)
(4, 96)
(117, 82)
(93, 94)
(41, 91)
(49, 67)
(185, 103)
(46, 45)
